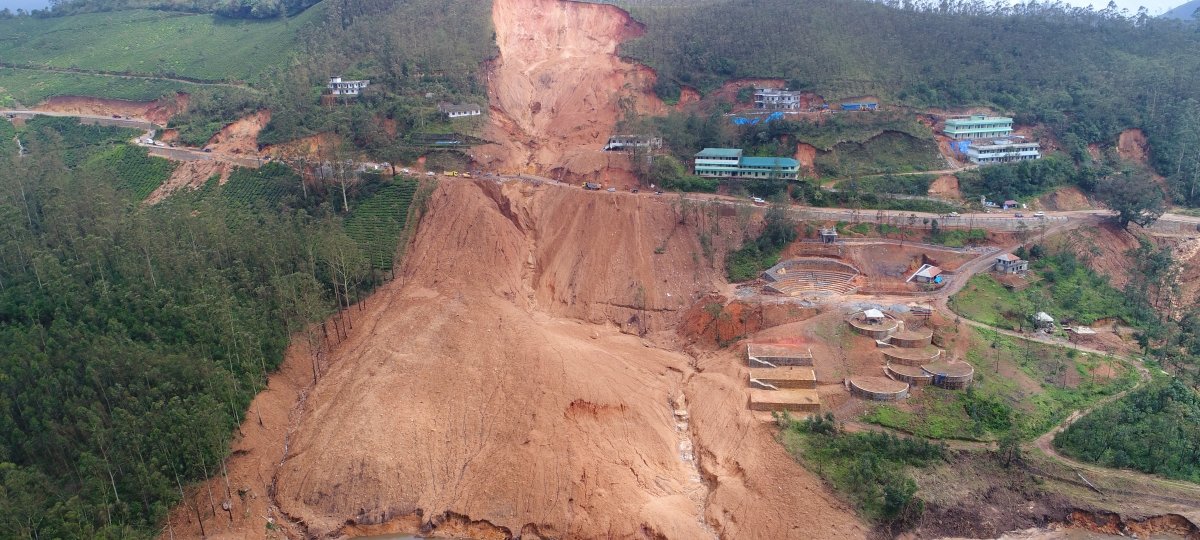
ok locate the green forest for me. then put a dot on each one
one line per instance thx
(135, 337)
(1155, 430)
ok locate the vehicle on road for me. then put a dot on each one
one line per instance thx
(1039, 214)
(466, 175)
(1018, 215)
(611, 190)
(952, 214)
(758, 201)
(634, 190)
(659, 192)
(592, 186)
(430, 173)
(208, 150)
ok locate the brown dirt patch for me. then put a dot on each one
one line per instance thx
(516, 430)
(159, 111)
(946, 187)
(1132, 145)
(308, 147)
(1105, 247)
(687, 96)
(190, 175)
(1065, 198)
(557, 86)
(240, 137)
(806, 154)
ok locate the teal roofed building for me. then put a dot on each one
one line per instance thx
(730, 163)
(978, 126)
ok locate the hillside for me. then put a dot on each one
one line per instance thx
(1185, 12)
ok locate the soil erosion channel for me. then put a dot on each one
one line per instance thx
(558, 87)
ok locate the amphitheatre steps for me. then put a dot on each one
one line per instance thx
(912, 375)
(912, 357)
(790, 377)
(808, 275)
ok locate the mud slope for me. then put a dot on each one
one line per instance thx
(557, 87)
(472, 396)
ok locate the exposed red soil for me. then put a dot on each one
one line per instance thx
(687, 96)
(308, 147)
(159, 111)
(1105, 248)
(806, 154)
(557, 88)
(712, 321)
(1065, 198)
(190, 175)
(240, 137)
(501, 386)
(946, 187)
(1132, 145)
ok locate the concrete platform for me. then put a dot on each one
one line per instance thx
(785, 377)
(878, 388)
(769, 354)
(795, 400)
(912, 375)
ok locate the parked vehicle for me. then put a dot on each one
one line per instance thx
(1039, 214)
(1019, 215)
(758, 201)
(592, 186)
(952, 214)
(466, 175)
(612, 190)
(430, 173)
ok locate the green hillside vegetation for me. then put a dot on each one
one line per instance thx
(889, 152)
(1155, 430)
(146, 42)
(911, 184)
(130, 169)
(377, 222)
(249, 9)
(1021, 389)
(873, 469)
(1105, 71)
(1062, 286)
(29, 87)
(134, 336)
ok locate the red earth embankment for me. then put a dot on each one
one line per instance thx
(558, 88)
(159, 111)
(501, 387)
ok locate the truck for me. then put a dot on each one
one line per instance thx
(592, 186)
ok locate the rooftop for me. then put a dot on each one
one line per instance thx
(873, 314)
(1042, 316)
(976, 118)
(781, 162)
(1008, 257)
(720, 153)
(930, 272)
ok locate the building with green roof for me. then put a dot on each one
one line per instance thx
(978, 126)
(730, 163)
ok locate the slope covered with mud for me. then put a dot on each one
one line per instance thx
(558, 87)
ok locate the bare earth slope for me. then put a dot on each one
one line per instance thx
(490, 393)
(558, 86)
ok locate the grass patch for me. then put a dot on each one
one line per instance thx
(872, 469)
(1067, 290)
(910, 184)
(890, 151)
(77, 141)
(131, 169)
(151, 42)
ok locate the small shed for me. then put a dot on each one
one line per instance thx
(1043, 320)
(928, 274)
(873, 316)
(829, 235)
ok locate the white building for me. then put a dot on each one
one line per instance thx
(988, 151)
(338, 87)
(625, 142)
(452, 110)
(773, 99)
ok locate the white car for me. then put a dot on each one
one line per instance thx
(405, 171)
(1039, 214)
(430, 173)
(952, 214)
(758, 201)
